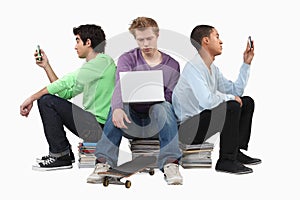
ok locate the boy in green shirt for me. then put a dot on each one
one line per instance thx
(95, 80)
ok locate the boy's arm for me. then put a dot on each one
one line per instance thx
(26, 106)
(44, 63)
(174, 73)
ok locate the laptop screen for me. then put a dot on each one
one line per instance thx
(142, 86)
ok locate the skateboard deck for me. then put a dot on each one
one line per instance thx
(139, 164)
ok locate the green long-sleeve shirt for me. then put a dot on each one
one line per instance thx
(95, 79)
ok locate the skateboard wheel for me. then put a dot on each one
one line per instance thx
(151, 172)
(105, 181)
(127, 184)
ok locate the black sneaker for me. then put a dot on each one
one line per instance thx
(247, 160)
(39, 160)
(231, 166)
(52, 163)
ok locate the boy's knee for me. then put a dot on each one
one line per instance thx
(45, 98)
(233, 106)
(248, 102)
(163, 110)
(162, 107)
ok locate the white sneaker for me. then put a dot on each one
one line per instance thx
(172, 174)
(95, 177)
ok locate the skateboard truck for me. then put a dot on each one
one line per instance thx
(117, 180)
(139, 164)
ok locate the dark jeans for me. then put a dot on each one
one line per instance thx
(232, 121)
(57, 113)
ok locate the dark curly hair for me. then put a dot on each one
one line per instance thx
(94, 33)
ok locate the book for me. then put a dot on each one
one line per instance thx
(205, 145)
(86, 155)
(196, 155)
(145, 147)
(196, 165)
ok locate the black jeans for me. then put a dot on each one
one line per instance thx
(232, 121)
(57, 113)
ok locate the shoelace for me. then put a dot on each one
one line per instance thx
(49, 160)
(174, 169)
(99, 167)
(46, 157)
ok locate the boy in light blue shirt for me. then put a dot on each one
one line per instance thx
(205, 103)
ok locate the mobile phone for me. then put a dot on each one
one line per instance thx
(250, 42)
(38, 49)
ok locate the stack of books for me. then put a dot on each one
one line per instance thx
(198, 155)
(144, 147)
(86, 155)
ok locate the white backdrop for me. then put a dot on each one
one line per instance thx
(274, 28)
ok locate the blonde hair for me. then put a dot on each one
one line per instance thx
(141, 23)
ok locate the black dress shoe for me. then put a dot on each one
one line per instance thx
(246, 160)
(231, 166)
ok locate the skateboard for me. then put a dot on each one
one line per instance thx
(139, 164)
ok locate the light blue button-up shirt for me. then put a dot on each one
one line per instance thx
(199, 89)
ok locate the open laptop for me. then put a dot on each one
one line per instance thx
(142, 86)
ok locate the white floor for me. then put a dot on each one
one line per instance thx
(268, 180)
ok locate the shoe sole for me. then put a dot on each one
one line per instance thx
(174, 182)
(237, 173)
(38, 168)
(254, 163)
(95, 182)
(38, 160)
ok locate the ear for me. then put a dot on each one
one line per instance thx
(88, 42)
(205, 40)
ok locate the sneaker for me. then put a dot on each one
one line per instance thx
(247, 160)
(95, 177)
(172, 174)
(39, 160)
(231, 166)
(52, 163)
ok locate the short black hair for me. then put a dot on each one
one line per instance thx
(198, 33)
(94, 33)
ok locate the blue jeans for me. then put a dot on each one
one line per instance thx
(57, 113)
(159, 122)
